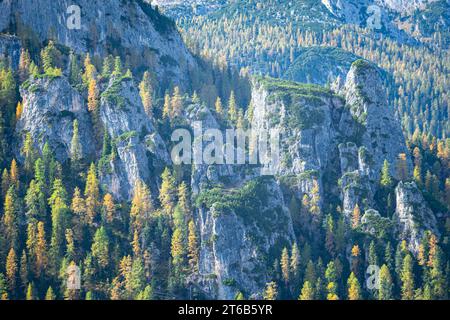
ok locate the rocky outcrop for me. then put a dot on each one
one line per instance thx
(50, 106)
(412, 216)
(239, 239)
(375, 126)
(131, 29)
(141, 152)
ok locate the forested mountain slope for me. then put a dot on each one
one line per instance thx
(89, 179)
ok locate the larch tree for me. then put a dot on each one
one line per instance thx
(385, 283)
(167, 106)
(407, 278)
(14, 175)
(50, 295)
(271, 291)
(166, 192)
(11, 269)
(24, 64)
(19, 111)
(219, 107)
(284, 263)
(177, 249)
(80, 219)
(354, 289)
(193, 253)
(232, 109)
(41, 249)
(356, 217)
(89, 71)
(109, 208)
(307, 292)
(176, 103)
(295, 264)
(146, 91)
(141, 206)
(11, 218)
(30, 292)
(92, 195)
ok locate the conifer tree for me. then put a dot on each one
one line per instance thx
(141, 206)
(407, 278)
(386, 179)
(177, 249)
(219, 107)
(92, 195)
(89, 71)
(23, 270)
(354, 289)
(232, 109)
(11, 218)
(41, 249)
(30, 292)
(307, 292)
(284, 263)
(100, 247)
(75, 76)
(3, 287)
(19, 111)
(5, 183)
(356, 217)
(386, 285)
(193, 254)
(166, 191)
(145, 91)
(271, 291)
(167, 108)
(11, 270)
(24, 64)
(76, 151)
(14, 174)
(109, 208)
(50, 295)
(176, 103)
(295, 264)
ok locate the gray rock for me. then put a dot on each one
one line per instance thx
(129, 28)
(413, 216)
(49, 108)
(141, 152)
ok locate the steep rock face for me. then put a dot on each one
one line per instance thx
(10, 49)
(238, 241)
(141, 152)
(50, 107)
(376, 127)
(131, 29)
(412, 216)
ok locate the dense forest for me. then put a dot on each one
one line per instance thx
(57, 213)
